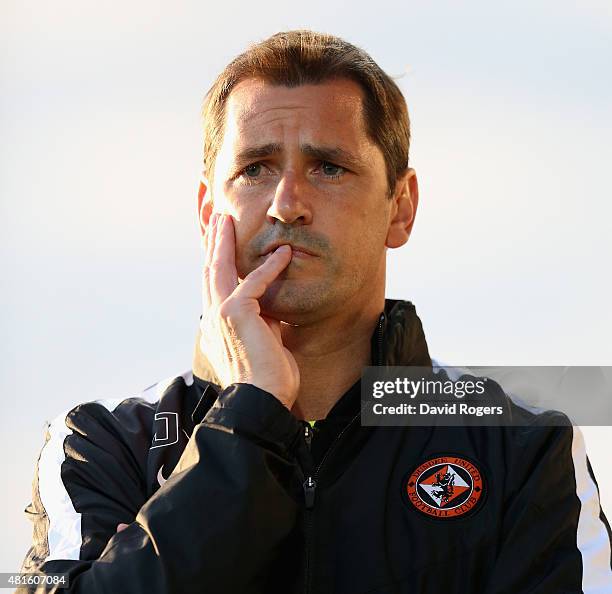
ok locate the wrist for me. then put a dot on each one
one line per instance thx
(251, 410)
(285, 397)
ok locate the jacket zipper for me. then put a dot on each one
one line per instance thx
(379, 330)
(310, 484)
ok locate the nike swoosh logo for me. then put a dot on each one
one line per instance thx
(160, 477)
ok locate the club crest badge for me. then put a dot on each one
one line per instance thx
(445, 487)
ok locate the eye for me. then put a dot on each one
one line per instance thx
(252, 174)
(252, 170)
(331, 170)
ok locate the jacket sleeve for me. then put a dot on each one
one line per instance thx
(218, 524)
(555, 537)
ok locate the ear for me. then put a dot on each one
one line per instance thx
(205, 205)
(403, 210)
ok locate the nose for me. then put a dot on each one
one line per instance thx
(290, 203)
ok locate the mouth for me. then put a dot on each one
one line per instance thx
(297, 251)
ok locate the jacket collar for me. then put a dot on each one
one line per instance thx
(403, 340)
(398, 339)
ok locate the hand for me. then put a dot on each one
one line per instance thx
(240, 343)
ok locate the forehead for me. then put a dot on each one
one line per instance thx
(323, 113)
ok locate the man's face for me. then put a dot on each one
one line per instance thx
(296, 166)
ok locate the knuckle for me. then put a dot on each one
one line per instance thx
(228, 309)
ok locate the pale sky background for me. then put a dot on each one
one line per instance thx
(100, 149)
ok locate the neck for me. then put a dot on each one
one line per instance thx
(330, 354)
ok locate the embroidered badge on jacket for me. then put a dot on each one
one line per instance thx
(445, 487)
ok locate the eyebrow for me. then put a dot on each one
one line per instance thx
(333, 154)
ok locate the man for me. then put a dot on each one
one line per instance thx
(252, 472)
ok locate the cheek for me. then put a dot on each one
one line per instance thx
(367, 237)
(247, 222)
(246, 258)
(368, 222)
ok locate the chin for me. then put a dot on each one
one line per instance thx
(292, 302)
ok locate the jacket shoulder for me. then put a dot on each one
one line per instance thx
(133, 413)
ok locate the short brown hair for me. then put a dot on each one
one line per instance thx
(295, 58)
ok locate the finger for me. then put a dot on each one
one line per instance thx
(257, 281)
(210, 234)
(224, 277)
(121, 527)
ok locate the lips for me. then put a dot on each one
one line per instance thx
(297, 249)
(301, 254)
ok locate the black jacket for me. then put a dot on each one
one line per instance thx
(231, 493)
